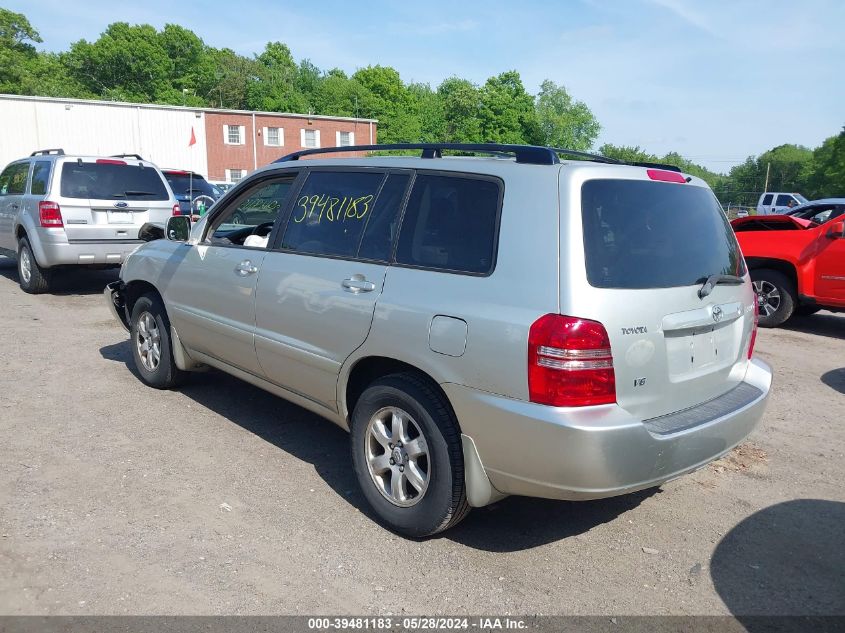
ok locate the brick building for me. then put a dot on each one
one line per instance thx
(229, 143)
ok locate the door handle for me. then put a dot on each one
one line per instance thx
(246, 268)
(357, 283)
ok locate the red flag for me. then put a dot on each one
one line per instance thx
(193, 140)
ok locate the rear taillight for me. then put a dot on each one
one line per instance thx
(176, 209)
(50, 214)
(570, 362)
(753, 337)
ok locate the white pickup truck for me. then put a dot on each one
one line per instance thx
(777, 202)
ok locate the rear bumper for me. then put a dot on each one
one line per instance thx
(116, 300)
(52, 248)
(596, 452)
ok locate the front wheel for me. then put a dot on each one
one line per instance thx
(776, 296)
(151, 344)
(407, 456)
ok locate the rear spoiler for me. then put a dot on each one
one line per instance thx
(659, 166)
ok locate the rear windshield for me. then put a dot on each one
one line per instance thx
(187, 187)
(109, 181)
(644, 234)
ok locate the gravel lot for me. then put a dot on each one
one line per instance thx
(220, 498)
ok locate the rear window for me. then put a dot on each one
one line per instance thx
(643, 234)
(451, 223)
(109, 181)
(186, 187)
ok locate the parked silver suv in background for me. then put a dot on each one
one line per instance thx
(60, 210)
(569, 329)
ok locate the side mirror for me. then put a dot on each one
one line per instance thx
(178, 228)
(836, 231)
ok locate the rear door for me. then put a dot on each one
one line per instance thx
(648, 247)
(765, 206)
(107, 199)
(317, 293)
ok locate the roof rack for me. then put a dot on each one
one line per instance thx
(46, 152)
(127, 156)
(531, 154)
(523, 153)
(659, 166)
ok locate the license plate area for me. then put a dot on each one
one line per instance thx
(700, 350)
(119, 216)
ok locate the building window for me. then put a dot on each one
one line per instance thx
(274, 136)
(345, 139)
(233, 134)
(310, 138)
(234, 175)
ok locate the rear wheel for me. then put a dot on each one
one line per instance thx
(151, 344)
(31, 277)
(407, 456)
(776, 296)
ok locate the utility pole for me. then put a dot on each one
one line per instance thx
(766, 186)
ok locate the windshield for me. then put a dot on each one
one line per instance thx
(800, 198)
(111, 181)
(186, 187)
(644, 234)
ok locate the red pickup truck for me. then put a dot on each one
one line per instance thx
(797, 261)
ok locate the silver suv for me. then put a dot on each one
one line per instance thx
(60, 210)
(483, 326)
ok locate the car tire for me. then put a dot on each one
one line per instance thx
(776, 296)
(32, 278)
(397, 419)
(152, 349)
(238, 218)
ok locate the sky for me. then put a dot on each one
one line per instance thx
(714, 80)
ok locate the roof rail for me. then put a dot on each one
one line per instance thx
(532, 154)
(46, 152)
(127, 156)
(598, 158)
(659, 166)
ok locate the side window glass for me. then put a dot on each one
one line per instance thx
(783, 200)
(40, 178)
(14, 178)
(381, 229)
(331, 211)
(250, 221)
(767, 199)
(5, 177)
(450, 223)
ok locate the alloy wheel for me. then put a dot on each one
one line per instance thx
(397, 456)
(148, 341)
(768, 297)
(25, 265)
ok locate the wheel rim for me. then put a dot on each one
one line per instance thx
(237, 219)
(148, 341)
(25, 265)
(768, 297)
(397, 457)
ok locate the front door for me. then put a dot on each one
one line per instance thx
(830, 264)
(212, 292)
(317, 293)
(12, 188)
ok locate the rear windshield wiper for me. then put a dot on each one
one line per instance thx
(715, 280)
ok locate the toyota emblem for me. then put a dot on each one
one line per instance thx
(717, 314)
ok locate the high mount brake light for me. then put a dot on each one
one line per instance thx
(666, 176)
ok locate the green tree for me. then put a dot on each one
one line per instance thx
(126, 63)
(461, 103)
(274, 89)
(564, 122)
(17, 53)
(233, 76)
(388, 100)
(506, 111)
(627, 153)
(825, 178)
(191, 75)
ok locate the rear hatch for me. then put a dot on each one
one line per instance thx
(649, 247)
(104, 199)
